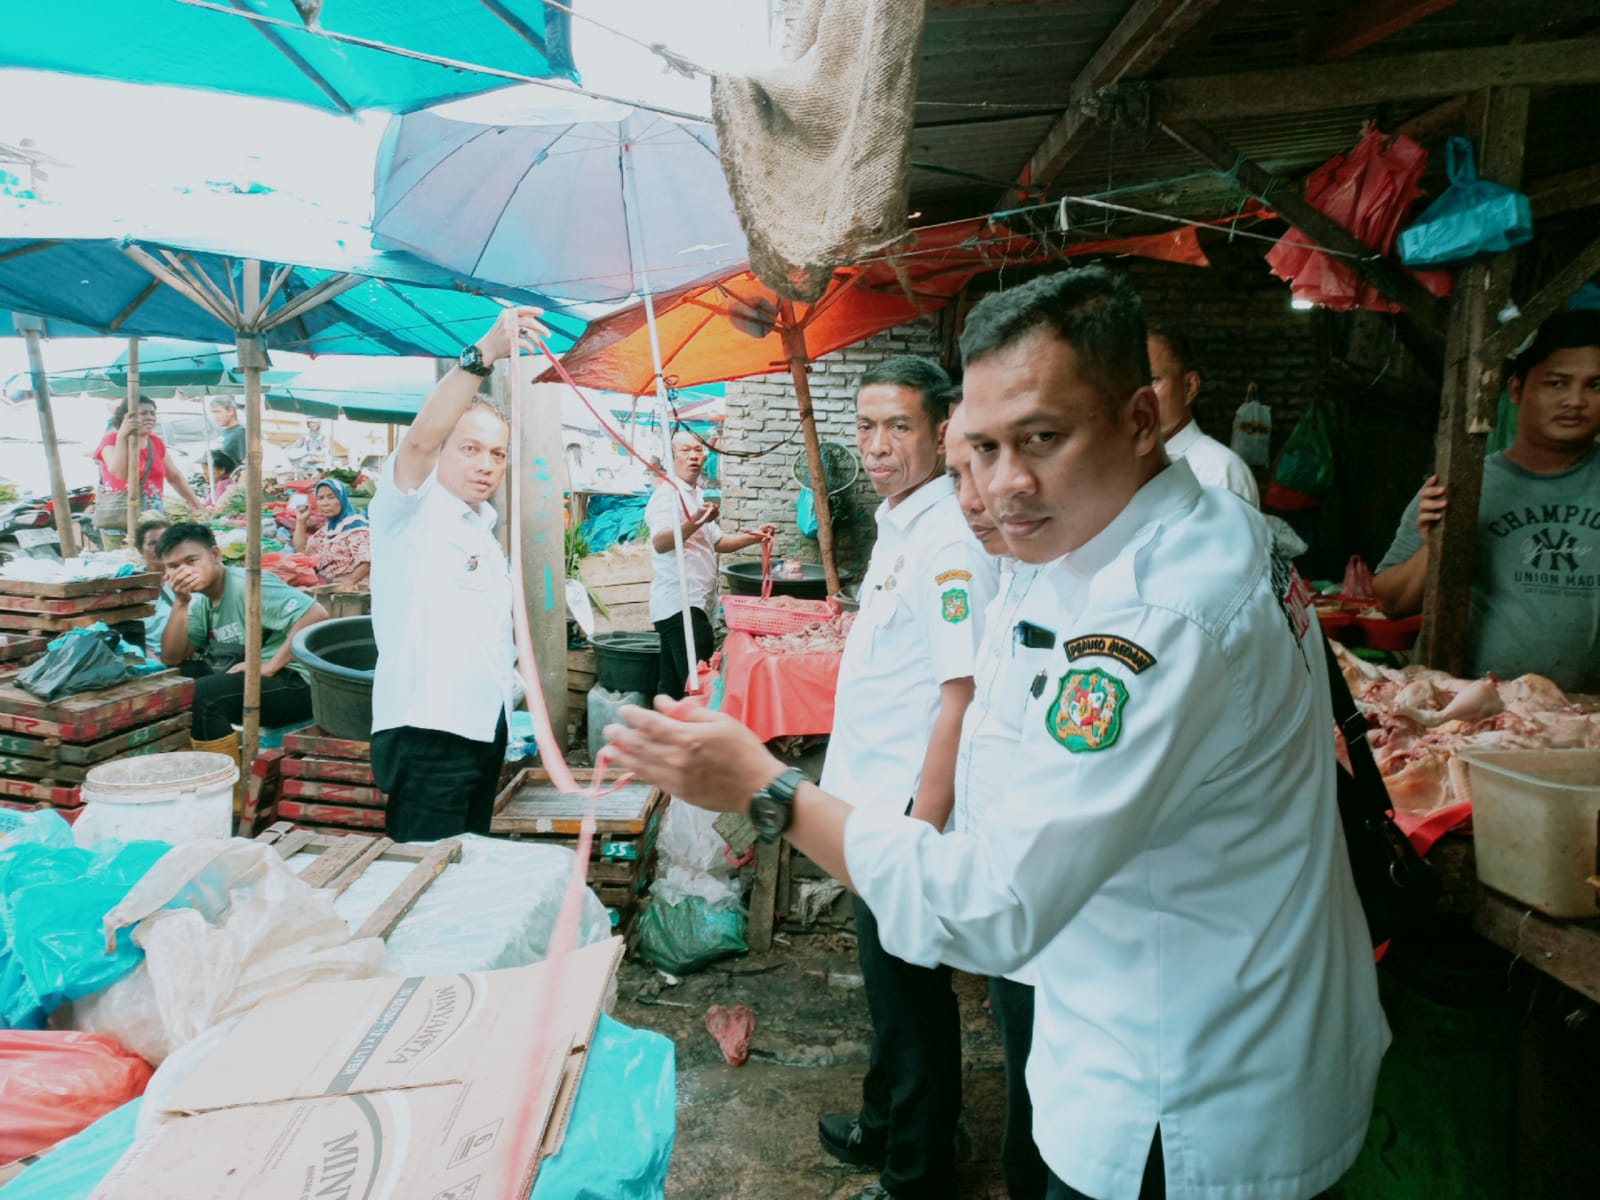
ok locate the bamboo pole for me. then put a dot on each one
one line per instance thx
(47, 431)
(135, 482)
(794, 346)
(252, 358)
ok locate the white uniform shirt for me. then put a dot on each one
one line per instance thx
(1213, 464)
(1169, 849)
(992, 726)
(441, 612)
(921, 619)
(699, 553)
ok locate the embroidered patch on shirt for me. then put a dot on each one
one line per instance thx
(946, 577)
(1108, 645)
(1086, 714)
(955, 607)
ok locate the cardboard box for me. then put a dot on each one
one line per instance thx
(387, 1089)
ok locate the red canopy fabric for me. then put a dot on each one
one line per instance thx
(728, 327)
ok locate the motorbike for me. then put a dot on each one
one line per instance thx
(28, 526)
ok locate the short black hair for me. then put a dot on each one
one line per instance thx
(1180, 344)
(222, 461)
(145, 527)
(1564, 331)
(121, 414)
(185, 531)
(923, 376)
(1093, 310)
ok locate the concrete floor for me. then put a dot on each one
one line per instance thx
(751, 1131)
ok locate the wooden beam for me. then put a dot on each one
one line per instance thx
(794, 345)
(1144, 36)
(1548, 300)
(1497, 122)
(1436, 120)
(1553, 195)
(1375, 80)
(1384, 274)
(1366, 23)
(29, 327)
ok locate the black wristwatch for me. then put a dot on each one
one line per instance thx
(772, 808)
(471, 361)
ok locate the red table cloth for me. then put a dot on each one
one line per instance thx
(776, 695)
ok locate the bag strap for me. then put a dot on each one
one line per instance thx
(1353, 725)
(1460, 164)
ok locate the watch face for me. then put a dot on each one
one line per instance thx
(768, 816)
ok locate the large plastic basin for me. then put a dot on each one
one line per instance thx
(627, 662)
(340, 657)
(744, 579)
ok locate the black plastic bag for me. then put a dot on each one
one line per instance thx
(84, 663)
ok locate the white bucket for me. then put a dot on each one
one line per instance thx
(177, 797)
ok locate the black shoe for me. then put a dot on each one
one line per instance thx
(843, 1137)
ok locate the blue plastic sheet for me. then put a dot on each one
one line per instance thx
(618, 1144)
(612, 519)
(53, 899)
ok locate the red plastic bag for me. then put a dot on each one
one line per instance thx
(1368, 192)
(54, 1083)
(1358, 580)
(297, 570)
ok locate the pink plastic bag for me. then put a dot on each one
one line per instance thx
(55, 1083)
(1358, 580)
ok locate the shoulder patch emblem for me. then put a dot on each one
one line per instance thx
(954, 606)
(947, 576)
(1108, 645)
(1086, 714)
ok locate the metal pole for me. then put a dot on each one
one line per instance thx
(794, 346)
(47, 431)
(135, 482)
(253, 358)
(636, 235)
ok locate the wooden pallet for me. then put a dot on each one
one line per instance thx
(13, 647)
(329, 770)
(76, 773)
(263, 790)
(42, 794)
(336, 816)
(53, 749)
(342, 860)
(531, 804)
(47, 607)
(332, 793)
(30, 621)
(311, 742)
(91, 716)
(80, 587)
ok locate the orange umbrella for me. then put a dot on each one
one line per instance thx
(732, 326)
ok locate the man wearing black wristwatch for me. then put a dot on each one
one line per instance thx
(441, 607)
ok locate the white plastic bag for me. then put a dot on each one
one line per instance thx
(248, 929)
(1252, 430)
(688, 838)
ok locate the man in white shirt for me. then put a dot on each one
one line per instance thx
(441, 606)
(905, 680)
(682, 504)
(1168, 850)
(989, 736)
(1176, 381)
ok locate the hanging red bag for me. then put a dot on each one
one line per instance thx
(54, 1083)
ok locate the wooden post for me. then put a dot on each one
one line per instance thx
(31, 327)
(135, 480)
(1497, 120)
(794, 346)
(253, 359)
(538, 494)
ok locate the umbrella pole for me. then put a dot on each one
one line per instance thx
(52, 452)
(252, 357)
(135, 483)
(636, 234)
(794, 347)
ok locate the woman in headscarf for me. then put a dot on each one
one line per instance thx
(343, 546)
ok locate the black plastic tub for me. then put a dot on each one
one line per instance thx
(627, 662)
(744, 579)
(340, 656)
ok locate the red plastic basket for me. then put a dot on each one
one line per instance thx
(751, 614)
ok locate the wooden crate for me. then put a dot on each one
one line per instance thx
(329, 770)
(32, 622)
(76, 773)
(532, 805)
(312, 742)
(81, 587)
(91, 716)
(46, 606)
(336, 816)
(620, 579)
(15, 647)
(332, 793)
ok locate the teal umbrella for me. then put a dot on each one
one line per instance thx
(357, 54)
(169, 363)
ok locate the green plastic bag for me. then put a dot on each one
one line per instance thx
(1306, 464)
(683, 937)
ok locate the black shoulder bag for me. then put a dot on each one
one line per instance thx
(1398, 889)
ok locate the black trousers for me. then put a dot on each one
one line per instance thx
(1152, 1187)
(912, 1092)
(674, 663)
(219, 700)
(439, 784)
(1026, 1174)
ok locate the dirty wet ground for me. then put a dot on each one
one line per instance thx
(751, 1131)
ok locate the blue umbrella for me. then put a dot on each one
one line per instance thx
(358, 54)
(540, 202)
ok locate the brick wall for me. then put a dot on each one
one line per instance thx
(762, 412)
